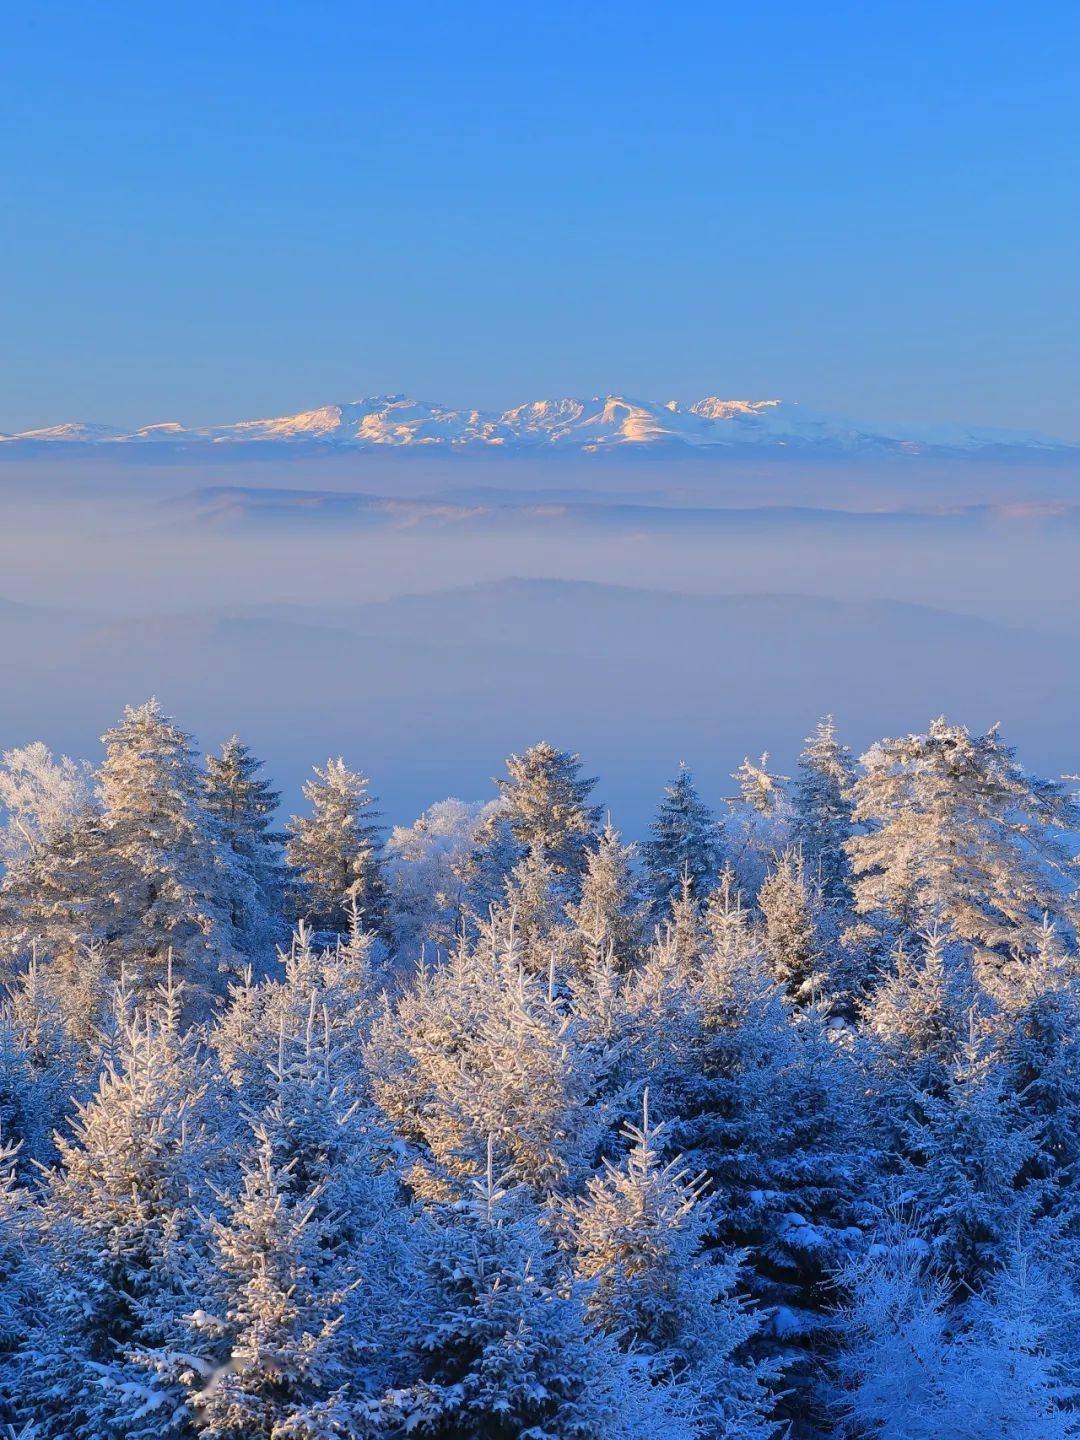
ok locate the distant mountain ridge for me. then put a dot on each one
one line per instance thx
(234, 508)
(610, 423)
(466, 672)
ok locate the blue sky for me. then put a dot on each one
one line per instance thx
(216, 210)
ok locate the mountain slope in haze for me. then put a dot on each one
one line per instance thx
(609, 423)
(429, 692)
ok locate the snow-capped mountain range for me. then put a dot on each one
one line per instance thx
(603, 423)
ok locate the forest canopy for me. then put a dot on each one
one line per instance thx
(496, 1126)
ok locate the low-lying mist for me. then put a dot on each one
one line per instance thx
(725, 610)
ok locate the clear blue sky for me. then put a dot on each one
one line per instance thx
(216, 210)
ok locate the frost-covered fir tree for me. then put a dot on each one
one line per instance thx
(58, 890)
(917, 1017)
(658, 1024)
(17, 1224)
(957, 833)
(418, 1042)
(480, 1050)
(767, 1109)
(39, 1069)
(790, 908)
(501, 1340)
(1019, 1353)
(174, 875)
(302, 1304)
(321, 1125)
(683, 931)
(340, 983)
(118, 1261)
(821, 812)
(483, 871)
(531, 912)
(913, 1025)
(731, 948)
(1037, 1043)
(334, 852)
(270, 1354)
(546, 807)
(639, 1238)
(685, 839)
(965, 1151)
(913, 1367)
(675, 989)
(54, 1022)
(535, 1085)
(243, 803)
(607, 919)
(759, 827)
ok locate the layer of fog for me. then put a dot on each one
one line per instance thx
(271, 629)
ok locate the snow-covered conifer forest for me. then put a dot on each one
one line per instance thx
(499, 1127)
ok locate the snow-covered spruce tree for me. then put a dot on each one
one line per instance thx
(912, 1366)
(118, 1262)
(173, 874)
(956, 1138)
(321, 1130)
(326, 1131)
(334, 852)
(340, 982)
(39, 1069)
(683, 932)
(685, 839)
(531, 912)
(790, 909)
(1019, 1353)
(957, 833)
(304, 1304)
(53, 1013)
(484, 870)
(821, 812)
(270, 1355)
(482, 1049)
(83, 990)
(17, 1225)
(914, 1024)
(608, 919)
(638, 1237)
(55, 886)
(917, 1016)
(893, 1356)
(546, 805)
(421, 1038)
(535, 1086)
(759, 826)
(501, 1340)
(768, 1110)
(656, 1038)
(965, 1151)
(1037, 1043)
(243, 803)
(683, 980)
(730, 946)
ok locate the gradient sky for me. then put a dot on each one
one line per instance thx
(210, 211)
